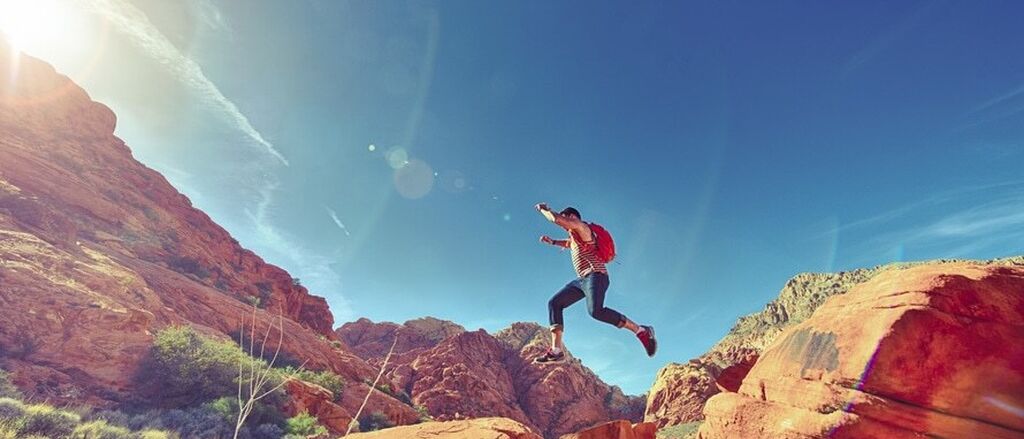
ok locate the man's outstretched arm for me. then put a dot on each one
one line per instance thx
(565, 222)
(564, 243)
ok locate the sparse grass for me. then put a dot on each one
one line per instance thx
(304, 425)
(400, 395)
(47, 421)
(101, 430)
(323, 378)
(7, 389)
(680, 431)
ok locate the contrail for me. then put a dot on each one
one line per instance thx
(334, 217)
(133, 22)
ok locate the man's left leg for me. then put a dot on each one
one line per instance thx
(595, 286)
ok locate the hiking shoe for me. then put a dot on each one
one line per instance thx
(550, 357)
(647, 338)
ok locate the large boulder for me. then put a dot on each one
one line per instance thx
(933, 350)
(681, 389)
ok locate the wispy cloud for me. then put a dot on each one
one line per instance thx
(1004, 105)
(884, 39)
(211, 16)
(255, 173)
(959, 223)
(315, 269)
(129, 20)
(337, 222)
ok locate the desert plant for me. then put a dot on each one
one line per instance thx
(101, 430)
(423, 412)
(11, 409)
(185, 368)
(380, 373)
(7, 389)
(156, 434)
(304, 425)
(47, 421)
(375, 421)
(323, 378)
(112, 417)
(258, 381)
(680, 431)
(196, 422)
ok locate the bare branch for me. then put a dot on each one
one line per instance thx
(374, 386)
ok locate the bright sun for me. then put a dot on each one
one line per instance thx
(33, 23)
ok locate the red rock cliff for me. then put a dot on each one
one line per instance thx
(98, 252)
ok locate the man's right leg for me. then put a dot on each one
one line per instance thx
(567, 296)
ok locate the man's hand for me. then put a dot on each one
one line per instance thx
(547, 239)
(542, 207)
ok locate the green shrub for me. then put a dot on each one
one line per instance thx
(186, 369)
(375, 421)
(101, 430)
(197, 422)
(8, 430)
(423, 412)
(304, 425)
(7, 389)
(11, 409)
(323, 378)
(47, 421)
(680, 431)
(156, 434)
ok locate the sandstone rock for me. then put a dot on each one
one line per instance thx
(481, 428)
(931, 350)
(317, 401)
(680, 390)
(98, 252)
(456, 374)
(617, 430)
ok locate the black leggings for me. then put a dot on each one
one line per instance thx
(592, 286)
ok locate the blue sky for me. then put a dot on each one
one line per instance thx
(727, 146)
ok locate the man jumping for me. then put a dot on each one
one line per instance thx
(591, 282)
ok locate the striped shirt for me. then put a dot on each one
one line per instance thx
(584, 256)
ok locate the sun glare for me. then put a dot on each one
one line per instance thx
(28, 24)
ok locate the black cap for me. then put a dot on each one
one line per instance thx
(571, 211)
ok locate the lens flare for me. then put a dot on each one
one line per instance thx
(397, 158)
(414, 180)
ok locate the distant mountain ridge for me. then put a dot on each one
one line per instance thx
(459, 374)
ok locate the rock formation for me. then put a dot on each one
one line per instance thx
(457, 374)
(932, 350)
(98, 252)
(681, 389)
(617, 430)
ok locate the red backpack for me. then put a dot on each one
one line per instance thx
(605, 244)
